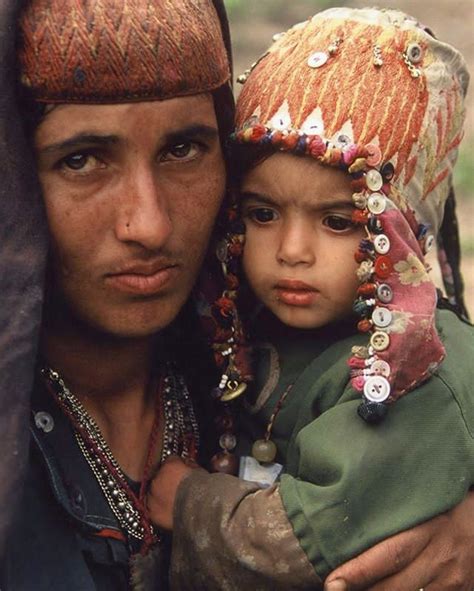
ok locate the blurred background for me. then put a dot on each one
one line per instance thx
(254, 22)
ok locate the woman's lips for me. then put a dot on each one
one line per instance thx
(142, 283)
(295, 293)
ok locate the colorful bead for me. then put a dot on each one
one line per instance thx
(368, 289)
(365, 271)
(359, 217)
(361, 352)
(359, 200)
(349, 154)
(372, 412)
(225, 463)
(358, 383)
(276, 137)
(358, 165)
(317, 147)
(361, 308)
(360, 256)
(356, 363)
(374, 225)
(264, 451)
(364, 325)
(289, 141)
(258, 132)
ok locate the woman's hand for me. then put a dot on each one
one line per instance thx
(162, 492)
(436, 556)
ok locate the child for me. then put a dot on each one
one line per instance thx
(347, 131)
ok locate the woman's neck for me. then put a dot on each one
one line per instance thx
(114, 379)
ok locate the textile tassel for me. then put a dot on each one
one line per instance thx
(449, 243)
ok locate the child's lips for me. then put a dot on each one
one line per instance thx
(295, 293)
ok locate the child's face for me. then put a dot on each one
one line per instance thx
(300, 242)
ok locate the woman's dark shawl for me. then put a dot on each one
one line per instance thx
(22, 259)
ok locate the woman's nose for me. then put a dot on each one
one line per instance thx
(143, 213)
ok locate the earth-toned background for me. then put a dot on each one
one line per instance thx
(254, 22)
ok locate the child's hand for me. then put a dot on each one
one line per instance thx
(163, 487)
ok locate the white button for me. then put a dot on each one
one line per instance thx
(377, 389)
(380, 368)
(44, 421)
(430, 240)
(381, 317)
(318, 59)
(414, 53)
(384, 293)
(374, 180)
(377, 203)
(380, 341)
(221, 251)
(382, 244)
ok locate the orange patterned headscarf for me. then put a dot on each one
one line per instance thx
(371, 92)
(108, 51)
(375, 79)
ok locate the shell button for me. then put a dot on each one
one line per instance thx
(430, 240)
(380, 368)
(44, 421)
(377, 389)
(317, 59)
(382, 244)
(384, 293)
(380, 341)
(381, 317)
(375, 155)
(377, 203)
(374, 180)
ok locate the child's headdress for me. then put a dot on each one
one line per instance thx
(374, 93)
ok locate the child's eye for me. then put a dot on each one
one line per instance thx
(262, 215)
(338, 223)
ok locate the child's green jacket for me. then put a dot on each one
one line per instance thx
(346, 484)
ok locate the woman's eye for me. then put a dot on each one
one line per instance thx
(182, 151)
(262, 215)
(338, 223)
(80, 162)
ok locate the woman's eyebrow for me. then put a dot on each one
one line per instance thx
(79, 140)
(190, 132)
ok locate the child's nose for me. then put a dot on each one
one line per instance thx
(296, 245)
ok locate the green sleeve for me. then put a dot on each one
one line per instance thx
(356, 484)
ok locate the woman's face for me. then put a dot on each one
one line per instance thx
(131, 193)
(300, 241)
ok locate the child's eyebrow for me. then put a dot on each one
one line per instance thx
(249, 195)
(320, 205)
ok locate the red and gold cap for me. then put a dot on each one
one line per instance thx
(372, 92)
(111, 51)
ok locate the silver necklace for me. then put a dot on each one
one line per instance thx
(180, 437)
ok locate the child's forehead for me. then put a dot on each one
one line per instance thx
(289, 178)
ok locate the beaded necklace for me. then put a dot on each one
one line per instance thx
(180, 437)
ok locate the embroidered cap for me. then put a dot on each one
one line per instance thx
(110, 51)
